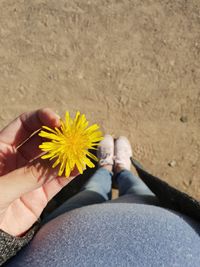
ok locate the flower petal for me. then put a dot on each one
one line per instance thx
(92, 156)
(69, 144)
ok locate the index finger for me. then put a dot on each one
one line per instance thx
(26, 124)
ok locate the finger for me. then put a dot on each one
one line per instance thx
(26, 124)
(37, 199)
(25, 179)
(54, 186)
(29, 178)
(29, 150)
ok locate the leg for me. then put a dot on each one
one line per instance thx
(100, 183)
(133, 190)
(96, 190)
(131, 184)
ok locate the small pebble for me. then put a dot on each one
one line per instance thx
(184, 119)
(108, 74)
(172, 163)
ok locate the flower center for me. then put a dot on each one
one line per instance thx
(75, 143)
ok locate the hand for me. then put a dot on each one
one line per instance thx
(27, 182)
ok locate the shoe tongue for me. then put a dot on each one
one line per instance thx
(123, 154)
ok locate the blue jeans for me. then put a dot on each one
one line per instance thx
(98, 190)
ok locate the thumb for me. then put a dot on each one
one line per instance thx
(23, 180)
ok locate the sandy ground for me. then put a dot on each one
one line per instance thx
(131, 66)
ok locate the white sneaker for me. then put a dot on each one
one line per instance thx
(105, 151)
(123, 153)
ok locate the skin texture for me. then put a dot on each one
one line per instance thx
(27, 183)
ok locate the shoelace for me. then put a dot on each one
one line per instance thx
(105, 159)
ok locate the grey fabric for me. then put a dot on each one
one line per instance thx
(130, 198)
(112, 234)
(10, 245)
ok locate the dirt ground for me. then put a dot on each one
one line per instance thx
(132, 66)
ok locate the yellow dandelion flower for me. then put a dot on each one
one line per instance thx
(70, 143)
